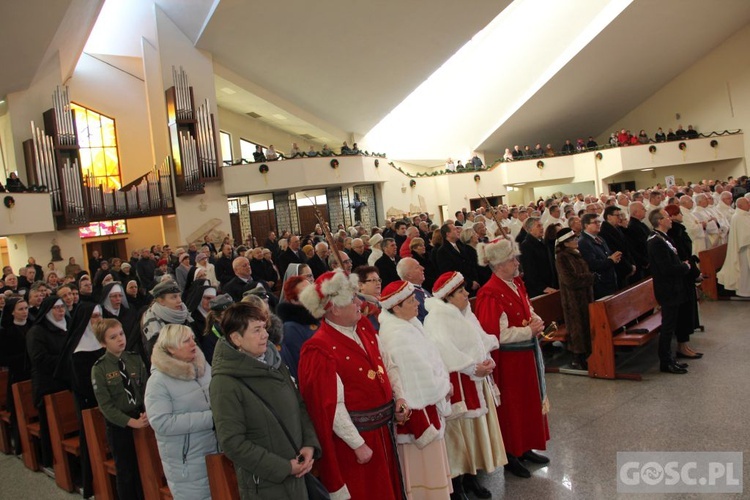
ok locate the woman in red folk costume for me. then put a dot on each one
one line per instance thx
(417, 375)
(472, 432)
(343, 380)
(504, 310)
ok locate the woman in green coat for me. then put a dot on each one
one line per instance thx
(246, 368)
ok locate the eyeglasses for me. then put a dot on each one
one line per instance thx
(374, 280)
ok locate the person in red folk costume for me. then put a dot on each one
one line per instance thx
(348, 394)
(504, 310)
(418, 376)
(472, 432)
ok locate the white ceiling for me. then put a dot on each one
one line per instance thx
(336, 69)
(27, 28)
(642, 50)
(348, 63)
(351, 64)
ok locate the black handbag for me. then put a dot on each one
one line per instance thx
(315, 488)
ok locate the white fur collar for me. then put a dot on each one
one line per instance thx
(175, 368)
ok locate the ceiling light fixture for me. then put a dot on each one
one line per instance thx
(646, 169)
(279, 116)
(229, 91)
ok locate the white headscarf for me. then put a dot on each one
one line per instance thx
(62, 324)
(88, 342)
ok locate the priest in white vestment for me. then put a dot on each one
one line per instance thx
(735, 273)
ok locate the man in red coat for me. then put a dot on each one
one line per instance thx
(504, 310)
(343, 381)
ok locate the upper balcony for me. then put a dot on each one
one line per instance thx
(304, 173)
(28, 213)
(607, 162)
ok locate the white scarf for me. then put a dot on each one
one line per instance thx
(421, 371)
(457, 334)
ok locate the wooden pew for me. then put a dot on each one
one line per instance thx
(222, 478)
(28, 423)
(710, 263)
(549, 308)
(626, 318)
(5, 444)
(149, 465)
(63, 433)
(102, 464)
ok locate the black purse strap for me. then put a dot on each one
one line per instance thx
(275, 415)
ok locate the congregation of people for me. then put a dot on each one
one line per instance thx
(270, 153)
(395, 362)
(616, 139)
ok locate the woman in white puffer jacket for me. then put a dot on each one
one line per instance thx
(179, 411)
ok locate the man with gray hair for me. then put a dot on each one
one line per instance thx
(410, 270)
(346, 261)
(319, 262)
(358, 254)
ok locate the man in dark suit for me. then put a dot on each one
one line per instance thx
(449, 257)
(358, 254)
(272, 244)
(223, 267)
(538, 268)
(319, 262)
(292, 255)
(243, 281)
(668, 273)
(386, 264)
(597, 255)
(613, 235)
(636, 234)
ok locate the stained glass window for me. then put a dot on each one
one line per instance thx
(100, 162)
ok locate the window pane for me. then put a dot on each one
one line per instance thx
(95, 131)
(226, 146)
(97, 138)
(247, 149)
(108, 132)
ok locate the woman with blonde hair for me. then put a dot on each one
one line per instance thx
(179, 411)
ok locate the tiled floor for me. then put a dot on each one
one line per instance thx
(591, 420)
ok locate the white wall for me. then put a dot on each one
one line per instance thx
(250, 129)
(175, 49)
(6, 145)
(712, 95)
(29, 105)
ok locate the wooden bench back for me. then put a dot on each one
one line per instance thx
(3, 389)
(5, 444)
(26, 412)
(549, 307)
(96, 441)
(629, 304)
(61, 412)
(149, 464)
(710, 262)
(222, 478)
(63, 425)
(27, 417)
